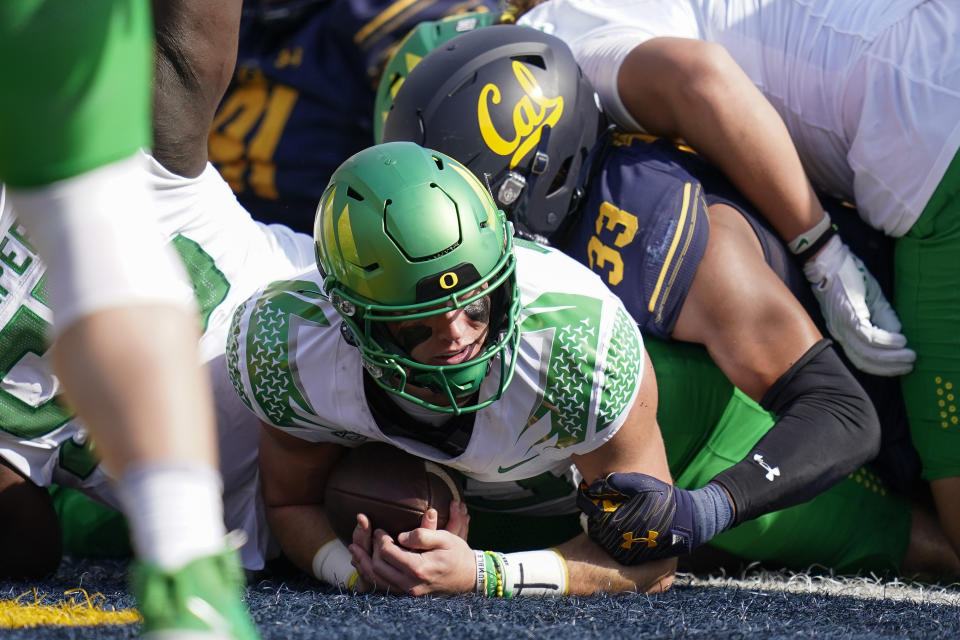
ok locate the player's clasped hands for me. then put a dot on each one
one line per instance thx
(422, 561)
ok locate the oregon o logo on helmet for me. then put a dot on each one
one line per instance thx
(449, 280)
(530, 114)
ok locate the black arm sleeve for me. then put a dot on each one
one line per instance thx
(826, 428)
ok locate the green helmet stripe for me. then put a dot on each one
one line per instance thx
(475, 183)
(348, 245)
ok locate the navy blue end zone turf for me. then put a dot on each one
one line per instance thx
(781, 606)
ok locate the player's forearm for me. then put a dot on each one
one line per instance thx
(576, 567)
(196, 54)
(592, 570)
(700, 94)
(826, 428)
(301, 530)
(757, 155)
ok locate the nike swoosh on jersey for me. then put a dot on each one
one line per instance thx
(514, 466)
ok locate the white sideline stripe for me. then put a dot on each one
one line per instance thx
(867, 588)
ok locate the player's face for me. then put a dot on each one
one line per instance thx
(448, 338)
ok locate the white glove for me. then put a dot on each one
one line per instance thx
(857, 313)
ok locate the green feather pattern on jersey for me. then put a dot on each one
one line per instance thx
(624, 360)
(233, 356)
(572, 374)
(277, 392)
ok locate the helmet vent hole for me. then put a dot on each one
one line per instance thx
(422, 127)
(560, 179)
(439, 162)
(534, 60)
(353, 193)
(468, 81)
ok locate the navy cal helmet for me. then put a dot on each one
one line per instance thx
(511, 103)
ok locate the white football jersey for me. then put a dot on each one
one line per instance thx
(579, 365)
(228, 256)
(869, 89)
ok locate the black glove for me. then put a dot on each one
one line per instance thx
(637, 518)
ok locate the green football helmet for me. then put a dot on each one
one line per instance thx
(421, 40)
(404, 233)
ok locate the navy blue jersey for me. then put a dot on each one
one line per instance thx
(301, 100)
(644, 228)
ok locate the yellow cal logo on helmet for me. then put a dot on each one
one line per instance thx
(530, 114)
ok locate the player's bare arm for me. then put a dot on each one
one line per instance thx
(292, 473)
(751, 324)
(196, 54)
(435, 562)
(636, 447)
(677, 87)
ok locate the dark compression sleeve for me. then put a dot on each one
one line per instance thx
(826, 428)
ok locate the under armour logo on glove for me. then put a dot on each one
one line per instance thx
(650, 540)
(637, 518)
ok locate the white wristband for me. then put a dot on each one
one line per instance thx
(481, 587)
(331, 564)
(809, 237)
(536, 573)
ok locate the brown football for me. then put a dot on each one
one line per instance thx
(391, 487)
